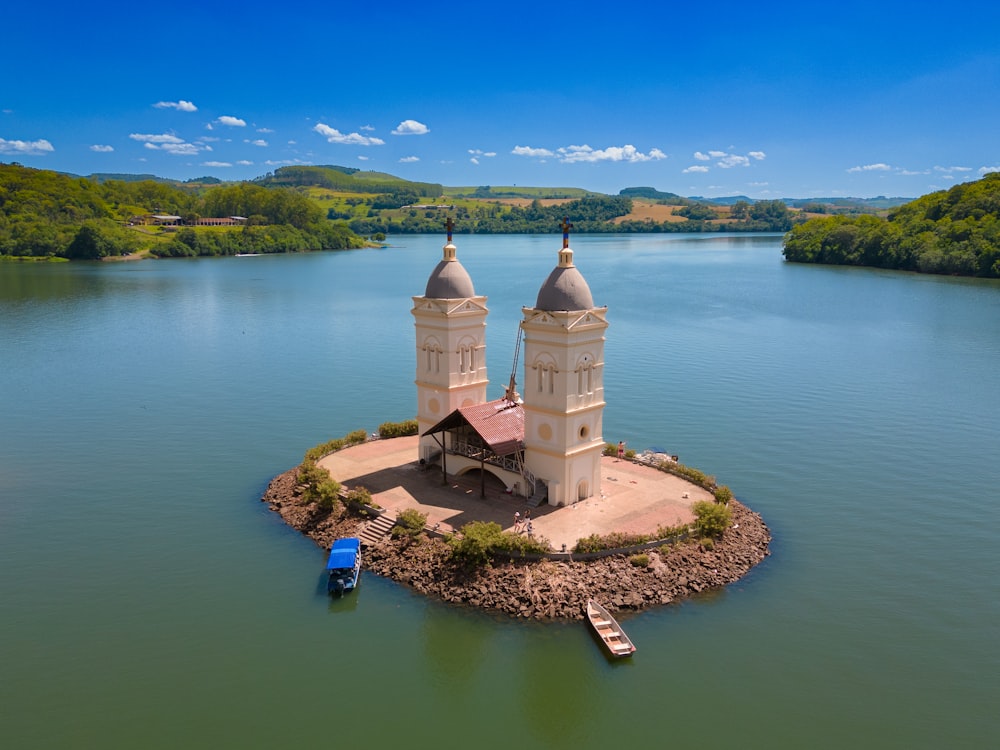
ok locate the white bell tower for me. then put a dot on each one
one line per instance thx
(563, 388)
(450, 322)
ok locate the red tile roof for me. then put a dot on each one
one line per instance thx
(499, 423)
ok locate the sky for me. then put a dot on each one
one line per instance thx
(767, 100)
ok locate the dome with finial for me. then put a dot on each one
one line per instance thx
(565, 288)
(449, 280)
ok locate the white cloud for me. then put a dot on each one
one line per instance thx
(952, 169)
(529, 151)
(366, 128)
(363, 158)
(102, 149)
(155, 137)
(411, 127)
(474, 160)
(244, 162)
(702, 157)
(758, 155)
(733, 160)
(880, 167)
(333, 135)
(30, 148)
(409, 159)
(180, 106)
(696, 168)
(987, 170)
(627, 153)
(717, 154)
(216, 164)
(234, 122)
(914, 172)
(168, 142)
(258, 142)
(479, 152)
(264, 130)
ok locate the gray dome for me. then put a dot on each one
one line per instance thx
(565, 288)
(449, 280)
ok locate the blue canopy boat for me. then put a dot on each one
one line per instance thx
(344, 565)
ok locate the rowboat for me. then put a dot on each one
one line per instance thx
(344, 565)
(609, 631)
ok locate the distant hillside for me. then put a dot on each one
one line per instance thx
(346, 179)
(108, 176)
(46, 214)
(486, 192)
(669, 199)
(955, 231)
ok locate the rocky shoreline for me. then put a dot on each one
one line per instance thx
(541, 590)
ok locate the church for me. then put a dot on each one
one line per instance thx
(544, 444)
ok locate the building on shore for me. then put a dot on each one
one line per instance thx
(545, 444)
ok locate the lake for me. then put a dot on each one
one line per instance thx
(150, 600)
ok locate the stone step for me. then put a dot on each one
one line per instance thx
(375, 530)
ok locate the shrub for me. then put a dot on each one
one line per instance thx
(397, 429)
(614, 540)
(356, 437)
(723, 495)
(323, 449)
(610, 449)
(319, 487)
(639, 561)
(707, 543)
(477, 542)
(711, 519)
(669, 532)
(409, 523)
(481, 541)
(359, 495)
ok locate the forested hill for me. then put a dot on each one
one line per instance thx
(346, 179)
(955, 231)
(49, 214)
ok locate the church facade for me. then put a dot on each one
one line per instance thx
(545, 444)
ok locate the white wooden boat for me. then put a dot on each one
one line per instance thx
(608, 630)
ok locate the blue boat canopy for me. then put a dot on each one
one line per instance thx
(344, 553)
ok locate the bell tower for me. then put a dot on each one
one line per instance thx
(563, 389)
(450, 323)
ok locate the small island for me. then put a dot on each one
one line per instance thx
(658, 560)
(518, 504)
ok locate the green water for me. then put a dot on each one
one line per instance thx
(148, 600)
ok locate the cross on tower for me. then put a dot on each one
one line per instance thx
(566, 226)
(449, 225)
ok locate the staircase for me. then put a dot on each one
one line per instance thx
(375, 530)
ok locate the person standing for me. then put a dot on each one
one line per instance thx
(621, 449)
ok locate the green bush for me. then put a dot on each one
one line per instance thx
(356, 437)
(639, 561)
(409, 523)
(397, 429)
(359, 495)
(711, 519)
(323, 449)
(669, 532)
(707, 543)
(481, 541)
(614, 540)
(723, 495)
(319, 487)
(610, 449)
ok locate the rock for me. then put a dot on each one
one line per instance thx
(547, 590)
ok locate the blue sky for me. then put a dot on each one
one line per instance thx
(767, 100)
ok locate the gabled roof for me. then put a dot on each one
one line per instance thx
(499, 424)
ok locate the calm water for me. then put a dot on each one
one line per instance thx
(148, 600)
